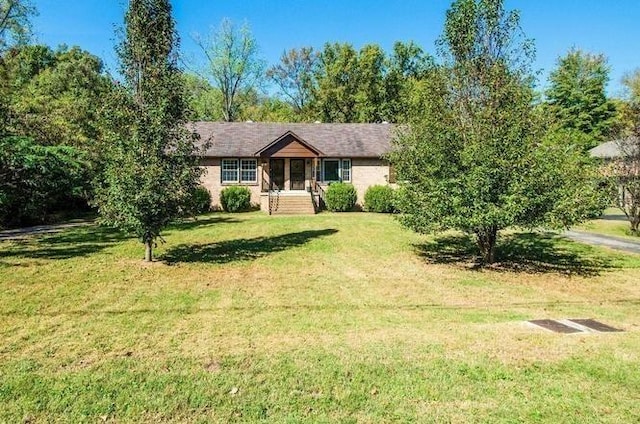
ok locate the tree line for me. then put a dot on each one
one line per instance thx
(483, 150)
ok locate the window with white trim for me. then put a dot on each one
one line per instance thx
(346, 169)
(248, 171)
(244, 171)
(229, 170)
(331, 170)
(336, 170)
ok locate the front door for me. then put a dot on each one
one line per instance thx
(276, 174)
(297, 174)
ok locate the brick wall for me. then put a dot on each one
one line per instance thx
(368, 172)
(212, 181)
(365, 173)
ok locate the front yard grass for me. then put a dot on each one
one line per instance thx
(613, 222)
(328, 318)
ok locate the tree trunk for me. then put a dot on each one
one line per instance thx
(635, 223)
(486, 239)
(148, 251)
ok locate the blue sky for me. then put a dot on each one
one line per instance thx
(610, 27)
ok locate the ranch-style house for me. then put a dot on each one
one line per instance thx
(288, 166)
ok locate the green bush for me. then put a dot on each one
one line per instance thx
(235, 199)
(341, 197)
(379, 198)
(199, 202)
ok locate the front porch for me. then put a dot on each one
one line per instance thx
(289, 177)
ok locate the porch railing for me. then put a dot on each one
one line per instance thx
(274, 200)
(320, 192)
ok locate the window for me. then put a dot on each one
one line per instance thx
(346, 169)
(229, 170)
(331, 169)
(239, 171)
(336, 170)
(248, 171)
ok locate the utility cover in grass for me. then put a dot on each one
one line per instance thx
(596, 325)
(555, 326)
(572, 326)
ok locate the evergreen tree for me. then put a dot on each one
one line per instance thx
(151, 162)
(577, 98)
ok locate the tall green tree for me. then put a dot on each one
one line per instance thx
(476, 156)
(294, 76)
(205, 101)
(151, 168)
(15, 29)
(15, 26)
(407, 66)
(577, 97)
(36, 180)
(337, 84)
(54, 96)
(367, 85)
(233, 64)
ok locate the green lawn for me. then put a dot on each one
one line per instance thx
(327, 318)
(612, 223)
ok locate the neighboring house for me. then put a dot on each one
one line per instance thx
(621, 159)
(615, 149)
(287, 167)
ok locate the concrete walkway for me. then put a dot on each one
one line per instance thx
(20, 233)
(617, 243)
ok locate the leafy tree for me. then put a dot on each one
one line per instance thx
(628, 107)
(370, 94)
(233, 64)
(577, 98)
(406, 67)
(267, 109)
(625, 170)
(476, 156)
(36, 180)
(366, 86)
(15, 27)
(294, 75)
(350, 84)
(337, 83)
(631, 82)
(54, 96)
(205, 101)
(151, 171)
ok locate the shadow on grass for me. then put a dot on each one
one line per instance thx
(520, 252)
(76, 242)
(202, 221)
(614, 217)
(241, 249)
(85, 240)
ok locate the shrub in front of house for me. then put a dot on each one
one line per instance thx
(200, 201)
(341, 197)
(235, 199)
(380, 199)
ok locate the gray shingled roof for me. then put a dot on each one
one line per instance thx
(243, 139)
(612, 149)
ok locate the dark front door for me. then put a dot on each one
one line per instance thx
(276, 174)
(297, 174)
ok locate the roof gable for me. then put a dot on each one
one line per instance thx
(289, 145)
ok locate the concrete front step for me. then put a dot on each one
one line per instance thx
(293, 205)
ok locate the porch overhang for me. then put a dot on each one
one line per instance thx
(289, 145)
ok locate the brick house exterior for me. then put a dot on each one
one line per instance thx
(283, 161)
